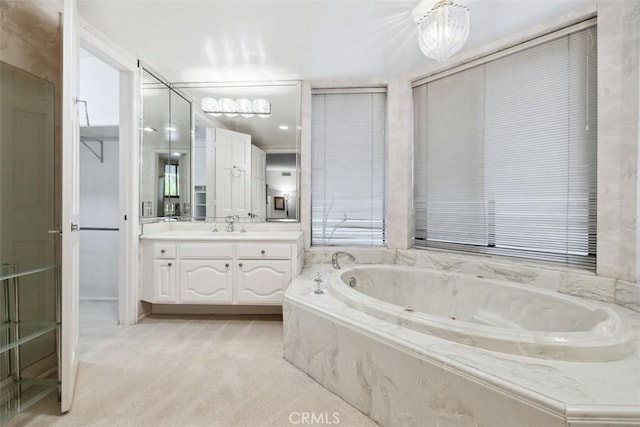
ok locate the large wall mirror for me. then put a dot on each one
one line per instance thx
(165, 171)
(246, 164)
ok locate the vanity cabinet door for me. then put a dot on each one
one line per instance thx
(206, 281)
(261, 281)
(164, 281)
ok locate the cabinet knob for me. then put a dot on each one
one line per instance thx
(240, 264)
(169, 265)
(262, 252)
(226, 265)
(162, 251)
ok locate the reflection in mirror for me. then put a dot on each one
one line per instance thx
(243, 165)
(165, 171)
(282, 200)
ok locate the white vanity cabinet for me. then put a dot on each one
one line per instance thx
(205, 273)
(164, 272)
(216, 269)
(264, 271)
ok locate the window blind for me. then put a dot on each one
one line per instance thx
(348, 161)
(505, 154)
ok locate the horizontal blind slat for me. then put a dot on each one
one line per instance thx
(505, 154)
(348, 168)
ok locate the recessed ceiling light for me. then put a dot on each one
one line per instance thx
(284, 127)
(149, 129)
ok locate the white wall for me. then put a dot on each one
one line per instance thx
(99, 86)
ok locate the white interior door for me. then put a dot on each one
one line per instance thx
(233, 173)
(70, 204)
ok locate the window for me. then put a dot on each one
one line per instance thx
(348, 168)
(171, 179)
(505, 154)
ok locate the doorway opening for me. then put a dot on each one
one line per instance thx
(100, 198)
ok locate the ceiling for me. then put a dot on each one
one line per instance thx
(266, 41)
(216, 40)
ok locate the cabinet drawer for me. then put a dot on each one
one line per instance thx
(164, 250)
(266, 251)
(195, 250)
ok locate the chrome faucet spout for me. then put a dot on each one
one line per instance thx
(230, 220)
(334, 258)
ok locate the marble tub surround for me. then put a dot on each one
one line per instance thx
(565, 280)
(398, 376)
(490, 314)
(323, 254)
(575, 282)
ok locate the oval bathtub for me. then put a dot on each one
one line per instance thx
(485, 313)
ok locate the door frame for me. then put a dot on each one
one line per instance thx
(104, 49)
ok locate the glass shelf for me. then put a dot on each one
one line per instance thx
(28, 331)
(17, 396)
(10, 271)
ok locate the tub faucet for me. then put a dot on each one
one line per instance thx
(334, 258)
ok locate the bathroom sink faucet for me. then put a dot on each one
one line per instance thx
(230, 220)
(334, 258)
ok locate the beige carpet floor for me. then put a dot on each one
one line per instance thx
(190, 371)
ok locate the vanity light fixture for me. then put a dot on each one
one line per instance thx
(443, 30)
(232, 108)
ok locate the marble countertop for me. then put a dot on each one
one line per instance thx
(569, 388)
(223, 235)
(204, 231)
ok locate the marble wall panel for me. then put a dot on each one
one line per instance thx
(618, 104)
(399, 164)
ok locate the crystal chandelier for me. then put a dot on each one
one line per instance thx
(443, 30)
(231, 108)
